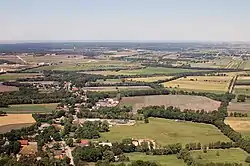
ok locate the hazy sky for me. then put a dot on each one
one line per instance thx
(216, 20)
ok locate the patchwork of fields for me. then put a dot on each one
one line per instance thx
(115, 88)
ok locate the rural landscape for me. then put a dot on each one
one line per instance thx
(119, 104)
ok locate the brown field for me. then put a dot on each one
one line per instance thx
(241, 125)
(4, 88)
(15, 121)
(11, 58)
(181, 101)
(149, 79)
(239, 107)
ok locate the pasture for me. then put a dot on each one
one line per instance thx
(148, 70)
(181, 101)
(241, 89)
(239, 124)
(149, 79)
(30, 108)
(115, 88)
(15, 121)
(201, 83)
(165, 131)
(163, 160)
(225, 155)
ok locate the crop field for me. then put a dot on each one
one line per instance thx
(220, 62)
(225, 155)
(115, 88)
(30, 108)
(239, 107)
(201, 83)
(14, 76)
(165, 131)
(241, 89)
(148, 70)
(240, 124)
(163, 160)
(15, 121)
(181, 101)
(4, 88)
(243, 79)
(109, 81)
(149, 79)
(247, 65)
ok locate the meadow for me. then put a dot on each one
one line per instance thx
(30, 108)
(163, 160)
(149, 79)
(201, 83)
(241, 89)
(14, 76)
(165, 131)
(115, 88)
(225, 155)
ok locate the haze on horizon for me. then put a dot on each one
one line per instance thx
(158, 20)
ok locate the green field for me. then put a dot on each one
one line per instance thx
(244, 90)
(30, 108)
(170, 160)
(225, 155)
(148, 70)
(165, 132)
(14, 76)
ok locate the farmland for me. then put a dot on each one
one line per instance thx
(14, 76)
(165, 132)
(163, 160)
(240, 124)
(181, 101)
(225, 155)
(149, 79)
(201, 83)
(241, 89)
(115, 88)
(4, 88)
(30, 108)
(148, 70)
(15, 121)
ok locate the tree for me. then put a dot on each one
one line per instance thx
(108, 155)
(104, 126)
(217, 153)
(70, 142)
(241, 98)
(247, 159)
(205, 148)
(146, 120)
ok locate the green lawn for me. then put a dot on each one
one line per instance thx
(165, 131)
(30, 108)
(225, 155)
(170, 160)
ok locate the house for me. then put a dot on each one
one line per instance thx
(84, 142)
(105, 144)
(59, 154)
(138, 142)
(24, 142)
(43, 126)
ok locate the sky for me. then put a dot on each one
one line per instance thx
(129, 20)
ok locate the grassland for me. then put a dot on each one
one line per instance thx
(163, 160)
(239, 89)
(148, 70)
(241, 125)
(30, 108)
(247, 65)
(225, 155)
(181, 101)
(201, 83)
(14, 76)
(239, 107)
(165, 132)
(149, 79)
(115, 88)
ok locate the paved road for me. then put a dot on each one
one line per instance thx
(69, 153)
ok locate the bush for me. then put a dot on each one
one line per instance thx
(247, 159)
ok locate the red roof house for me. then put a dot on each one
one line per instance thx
(24, 142)
(84, 142)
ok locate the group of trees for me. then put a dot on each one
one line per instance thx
(90, 130)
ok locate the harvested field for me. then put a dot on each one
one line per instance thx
(181, 101)
(165, 131)
(239, 107)
(201, 83)
(234, 155)
(149, 79)
(4, 88)
(15, 121)
(240, 124)
(114, 88)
